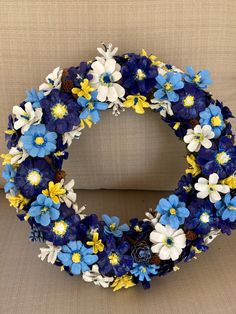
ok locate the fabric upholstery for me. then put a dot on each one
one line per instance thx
(130, 151)
(30, 286)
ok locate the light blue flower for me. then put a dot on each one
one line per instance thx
(212, 116)
(202, 78)
(9, 174)
(77, 257)
(112, 226)
(142, 271)
(166, 86)
(226, 208)
(44, 210)
(91, 107)
(34, 97)
(37, 141)
(173, 212)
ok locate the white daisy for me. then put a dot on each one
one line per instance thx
(199, 136)
(53, 80)
(105, 75)
(26, 116)
(94, 276)
(163, 106)
(168, 242)
(211, 188)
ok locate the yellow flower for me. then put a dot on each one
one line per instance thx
(137, 102)
(153, 58)
(18, 201)
(84, 90)
(86, 121)
(54, 191)
(193, 168)
(123, 282)
(230, 181)
(97, 245)
(6, 159)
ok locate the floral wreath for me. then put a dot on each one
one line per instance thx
(105, 252)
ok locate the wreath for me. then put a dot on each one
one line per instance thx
(104, 251)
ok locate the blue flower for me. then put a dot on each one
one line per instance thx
(138, 75)
(212, 116)
(139, 229)
(44, 210)
(202, 78)
(77, 257)
(113, 260)
(192, 100)
(166, 86)
(112, 226)
(226, 208)
(60, 154)
(60, 112)
(9, 174)
(34, 97)
(11, 135)
(91, 107)
(173, 211)
(76, 75)
(32, 176)
(38, 142)
(143, 271)
(201, 218)
(220, 160)
(185, 188)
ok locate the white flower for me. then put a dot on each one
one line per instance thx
(107, 52)
(94, 276)
(199, 136)
(163, 106)
(53, 80)
(69, 136)
(211, 236)
(26, 117)
(18, 154)
(168, 242)
(69, 198)
(50, 252)
(105, 74)
(211, 188)
(152, 217)
(117, 107)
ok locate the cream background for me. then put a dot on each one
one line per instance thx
(130, 151)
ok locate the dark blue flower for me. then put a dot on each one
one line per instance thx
(212, 116)
(61, 112)
(60, 153)
(11, 135)
(202, 217)
(201, 78)
(32, 176)
(138, 75)
(139, 230)
(194, 248)
(34, 97)
(36, 235)
(220, 160)
(113, 260)
(192, 100)
(167, 85)
(88, 226)
(226, 112)
(77, 74)
(185, 189)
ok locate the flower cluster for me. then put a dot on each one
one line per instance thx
(105, 251)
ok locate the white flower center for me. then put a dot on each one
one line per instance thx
(205, 217)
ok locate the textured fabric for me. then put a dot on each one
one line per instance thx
(27, 285)
(37, 36)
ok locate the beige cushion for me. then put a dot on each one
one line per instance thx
(131, 151)
(29, 286)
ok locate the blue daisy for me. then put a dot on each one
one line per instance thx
(38, 142)
(173, 212)
(167, 85)
(212, 116)
(77, 257)
(201, 79)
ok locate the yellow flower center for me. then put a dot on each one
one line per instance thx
(205, 217)
(76, 257)
(143, 269)
(90, 106)
(34, 177)
(189, 101)
(140, 75)
(137, 228)
(216, 121)
(173, 211)
(112, 227)
(168, 86)
(39, 140)
(222, 158)
(187, 188)
(197, 78)
(114, 259)
(59, 111)
(176, 126)
(232, 207)
(60, 228)
(44, 210)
